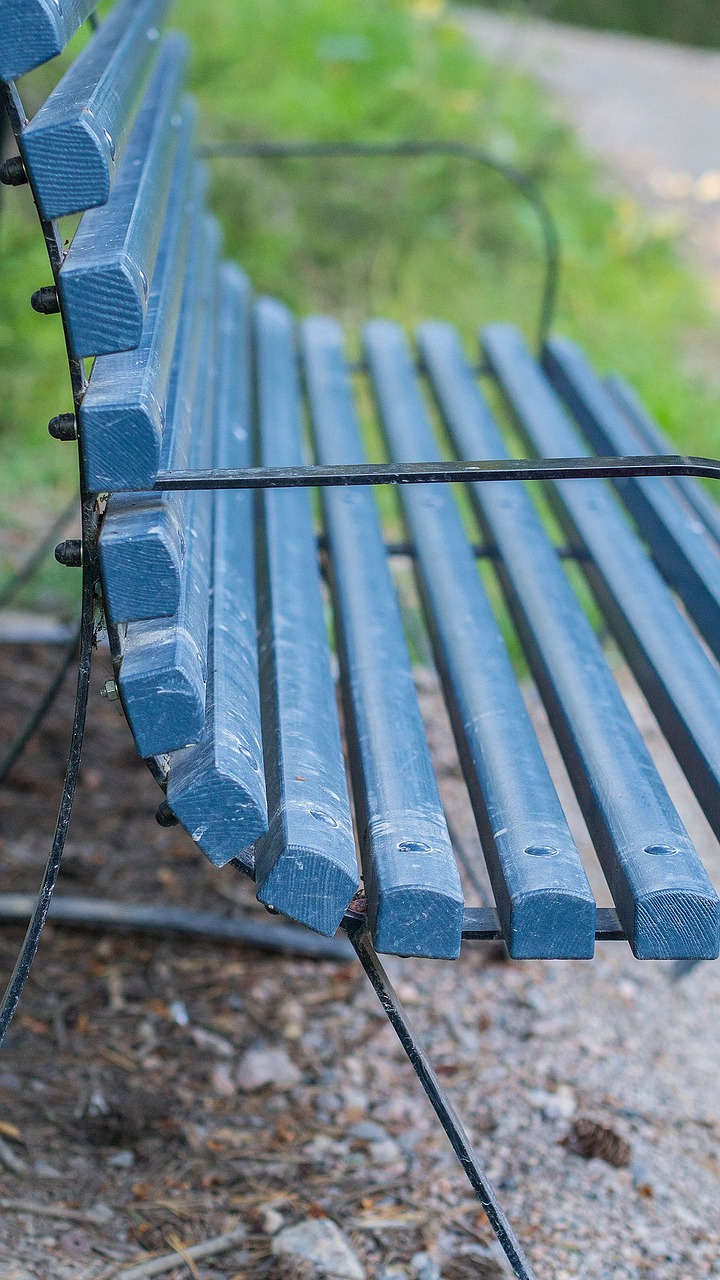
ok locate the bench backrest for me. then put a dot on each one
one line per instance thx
(143, 289)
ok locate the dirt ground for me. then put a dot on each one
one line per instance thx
(131, 1085)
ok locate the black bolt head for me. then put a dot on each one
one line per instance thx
(69, 553)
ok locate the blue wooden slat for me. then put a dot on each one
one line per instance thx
(680, 547)
(677, 676)
(415, 901)
(142, 539)
(73, 145)
(106, 277)
(163, 672)
(306, 866)
(217, 788)
(33, 31)
(666, 903)
(124, 410)
(545, 903)
(652, 439)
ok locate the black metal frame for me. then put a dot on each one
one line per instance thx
(480, 923)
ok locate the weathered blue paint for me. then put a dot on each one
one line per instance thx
(684, 553)
(73, 146)
(650, 438)
(142, 541)
(666, 903)
(107, 274)
(217, 788)
(679, 679)
(34, 31)
(545, 903)
(306, 866)
(163, 672)
(124, 410)
(415, 901)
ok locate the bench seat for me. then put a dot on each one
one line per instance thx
(261, 652)
(263, 766)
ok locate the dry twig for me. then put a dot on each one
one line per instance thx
(190, 1254)
(85, 1216)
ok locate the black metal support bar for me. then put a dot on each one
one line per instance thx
(481, 550)
(456, 472)
(481, 924)
(442, 1106)
(412, 149)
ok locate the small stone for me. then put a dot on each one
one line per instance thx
(387, 1152)
(321, 1243)
(560, 1105)
(222, 1081)
(368, 1131)
(102, 1211)
(122, 1160)
(425, 1267)
(212, 1042)
(262, 1066)
(271, 1220)
(179, 1013)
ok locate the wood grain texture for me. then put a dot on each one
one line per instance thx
(545, 902)
(415, 900)
(74, 144)
(124, 410)
(217, 788)
(676, 907)
(106, 277)
(143, 538)
(163, 673)
(306, 865)
(34, 31)
(682, 549)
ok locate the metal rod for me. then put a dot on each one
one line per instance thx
(411, 149)
(481, 550)
(442, 1106)
(456, 472)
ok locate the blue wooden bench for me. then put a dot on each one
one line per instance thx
(200, 535)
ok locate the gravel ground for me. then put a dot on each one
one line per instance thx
(134, 1086)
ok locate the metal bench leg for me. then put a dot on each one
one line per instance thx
(360, 939)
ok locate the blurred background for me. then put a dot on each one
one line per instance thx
(409, 239)
(694, 22)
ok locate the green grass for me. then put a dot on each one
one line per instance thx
(406, 239)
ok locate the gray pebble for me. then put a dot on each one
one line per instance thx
(322, 1243)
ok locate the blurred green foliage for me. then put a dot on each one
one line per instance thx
(406, 238)
(686, 21)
